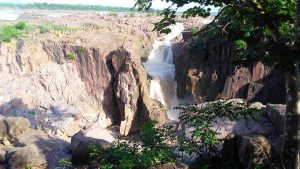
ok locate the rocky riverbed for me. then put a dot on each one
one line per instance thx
(50, 102)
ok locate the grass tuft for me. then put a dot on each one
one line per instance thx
(71, 56)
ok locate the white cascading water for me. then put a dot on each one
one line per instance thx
(161, 68)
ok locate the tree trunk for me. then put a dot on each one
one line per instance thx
(291, 150)
(292, 118)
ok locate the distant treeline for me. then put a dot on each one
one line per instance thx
(51, 6)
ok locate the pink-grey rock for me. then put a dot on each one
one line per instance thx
(29, 156)
(276, 114)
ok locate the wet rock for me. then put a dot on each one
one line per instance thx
(28, 156)
(254, 151)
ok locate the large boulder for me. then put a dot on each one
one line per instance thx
(82, 144)
(246, 151)
(276, 114)
(254, 151)
(29, 156)
(12, 126)
(52, 148)
(230, 156)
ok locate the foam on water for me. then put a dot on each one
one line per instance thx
(161, 68)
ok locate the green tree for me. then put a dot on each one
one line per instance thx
(261, 30)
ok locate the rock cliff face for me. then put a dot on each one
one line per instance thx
(62, 95)
(130, 89)
(207, 74)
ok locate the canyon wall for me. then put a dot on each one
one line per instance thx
(206, 74)
(104, 84)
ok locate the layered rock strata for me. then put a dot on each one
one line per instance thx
(208, 73)
(61, 94)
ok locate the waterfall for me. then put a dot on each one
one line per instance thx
(161, 68)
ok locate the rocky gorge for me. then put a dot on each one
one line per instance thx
(52, 102)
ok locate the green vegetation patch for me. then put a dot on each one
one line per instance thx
(19, 29)
(195, 30)
(20, 25)
(47, 27)
(152, 151)
(71, 56)
(9, 32)
(79, 49)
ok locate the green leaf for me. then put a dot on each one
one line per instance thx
(240, 44)
(247, 34)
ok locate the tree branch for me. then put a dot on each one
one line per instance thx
(208, 25)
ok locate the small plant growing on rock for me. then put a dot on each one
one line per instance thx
(20, 25)
(195, 30)
(65, 163)
(71, 56)
(79, 49)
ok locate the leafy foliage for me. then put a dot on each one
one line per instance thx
(205, 141)
(261, 30)
(195, 30)
(20, 25)
(8, 32)
(64, 163)
(136, 155)
(157, 144)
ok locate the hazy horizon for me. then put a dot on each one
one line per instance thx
(157, 4)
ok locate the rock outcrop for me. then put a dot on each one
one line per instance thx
(12, 126)
(62, 95)
(29, 156)
(247, 151)
(207, 73)
(29, 147)
(130, 87)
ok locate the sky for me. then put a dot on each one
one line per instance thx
(157, 4)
